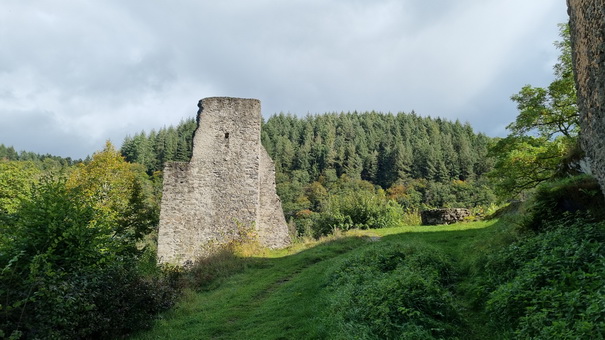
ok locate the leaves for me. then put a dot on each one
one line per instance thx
(69, 261)
(553, 110)
(544, 133)
(550, 285)
(524, 162)
(16, 181)
(392, 291)
(119, 190)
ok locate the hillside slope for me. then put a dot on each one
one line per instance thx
(292, 297)
(480, 280)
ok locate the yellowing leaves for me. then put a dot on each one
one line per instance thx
(108, 180)
(16, 181)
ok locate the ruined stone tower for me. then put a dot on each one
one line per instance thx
(228, 185)
(587, 28)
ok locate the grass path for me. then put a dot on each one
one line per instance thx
(282, 297)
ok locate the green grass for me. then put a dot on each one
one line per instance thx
(284, 294)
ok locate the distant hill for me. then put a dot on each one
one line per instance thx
(377, 147)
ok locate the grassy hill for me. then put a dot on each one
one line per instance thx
(290, 294)
(477, 280)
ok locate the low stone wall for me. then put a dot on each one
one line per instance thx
(444, 216)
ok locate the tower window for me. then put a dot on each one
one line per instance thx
(226, 135)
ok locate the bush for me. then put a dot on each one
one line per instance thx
(550, 285)
(94, 303)
(564, 197)
(68, 273)
(394, 291)
(361, 210)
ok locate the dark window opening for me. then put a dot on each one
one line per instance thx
(226, 135)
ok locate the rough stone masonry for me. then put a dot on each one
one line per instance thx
(587, 28)
(444, 216)
(228, 186)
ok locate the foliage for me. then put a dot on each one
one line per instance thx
(544, 134)
(119, 189)
(420, 162)
(69, 269)
(153, 150)
(16, 181)
(552, 110)
(550, 285)
(357, 210)
(379, 148)
(393, 291)
(345, 203)
(525, 162)
(42, 161)
(556, 199)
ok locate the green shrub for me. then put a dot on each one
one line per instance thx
(93, 303)
(67, 273)
(550, 285)
(579, 194)
(393, 291)
(359, 209)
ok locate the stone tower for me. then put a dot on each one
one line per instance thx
(587, 28)
(229, 184)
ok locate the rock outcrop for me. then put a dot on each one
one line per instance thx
(228, 186)
(444, 216)
(587, 28)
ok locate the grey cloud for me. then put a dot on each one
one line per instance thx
(42, 132)
(116, 67)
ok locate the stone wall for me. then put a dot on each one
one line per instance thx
(228, 185)
(444, 216)
(587, 25)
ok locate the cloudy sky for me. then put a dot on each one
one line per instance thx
(76, 73)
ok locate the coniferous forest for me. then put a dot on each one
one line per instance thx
(401, 162)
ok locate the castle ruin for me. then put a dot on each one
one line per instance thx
(587, 28)
(229, 184)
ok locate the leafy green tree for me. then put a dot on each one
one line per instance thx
(543, 134)
(402, 160)
(8, 153)
(16, 181)
(370, 167)
(68, 272)
(465, 157)
(524, 162)
(317, 194)
(551, 111)
(361, 208)
(118, 188)
(138, 149)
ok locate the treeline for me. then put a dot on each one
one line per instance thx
(9, 153)
(155, 148)
(372, 170)
(379, 148)
(403, 162)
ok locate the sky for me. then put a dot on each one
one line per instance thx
(74, 73)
